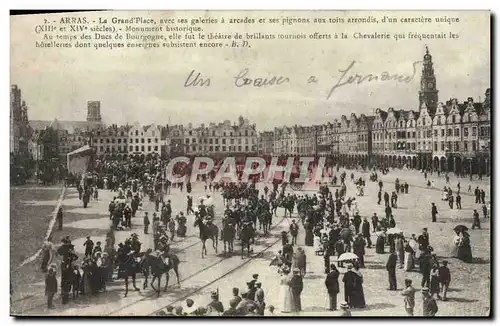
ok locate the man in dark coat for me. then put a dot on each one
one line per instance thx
(358, 248)
(386, 198)
(50, 287)
(374, 221)
(379, 196)
(423, 240)
(89, 247)
(339, 250)
(365, 228)
(297, 285)
(434, 212)
(357, 222)
(60, 218)
(391, 269)
(332, 286)
(294, 231)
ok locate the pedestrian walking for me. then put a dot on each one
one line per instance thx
(434, 212)
(51, 286)
(391, 270)
(429, 306)
(409, 297)
(476, 223)
(332, 287)
(59, 218)
(444, 278)
(146, 222)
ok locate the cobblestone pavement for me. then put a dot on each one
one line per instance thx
(201, 276)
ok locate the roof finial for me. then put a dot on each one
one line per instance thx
(426, 49)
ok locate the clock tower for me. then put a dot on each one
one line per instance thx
(428, 93)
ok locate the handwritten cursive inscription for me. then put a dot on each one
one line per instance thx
(384, 76)
(242, 80)
(196, 79)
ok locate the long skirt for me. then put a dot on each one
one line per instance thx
(409, 262)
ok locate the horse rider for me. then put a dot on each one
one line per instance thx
(135, 244)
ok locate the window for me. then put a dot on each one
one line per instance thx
(466, 146)
(457, 146)
(414, 134)
(474, 130)
(137, 140)
(453, 119)
(439, 121)
(113, 141)
(436, 132)
(131, 148)
(413, 146)
(442, 146)
(137, 133)
(435, 146)
(223, 148)
(136, 148)
(232, 141)
(187, 140)
(193, 140)
(448, 146)
(466, 132)
(149, 140)
(101, 140)
(213, 133)
(107, 140)
(473, 145)
(419, 134)
(156, 148)
(119, 140)
(142, 148)
(481, 132)
(429, 135)
(149, 148)
(216, 140)
(456, 133)
(223, 141)
(211, 148)
(239, 148)
(448, 132)
(156, 140)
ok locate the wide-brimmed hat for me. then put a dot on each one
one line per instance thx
(344, 305)
(425, 290)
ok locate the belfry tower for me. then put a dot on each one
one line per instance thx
(428, 93)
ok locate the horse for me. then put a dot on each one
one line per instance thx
(207, 232)
(265, 221)
(128, 267)
(227, 236)
(247, 234)
(159, 266)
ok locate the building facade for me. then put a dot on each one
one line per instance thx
(144, 140)
(111, 141)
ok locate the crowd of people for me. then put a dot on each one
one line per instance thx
(330, 220)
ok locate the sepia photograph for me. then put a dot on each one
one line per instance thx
(254, 163)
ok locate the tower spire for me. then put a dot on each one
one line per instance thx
(428, 93)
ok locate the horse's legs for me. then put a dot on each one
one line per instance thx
(215, 243)
(176, 271)
(153, 283)
(159, 286)
(166, 281)
(126, 285)
(203, 249)
(133, 282)
(145, 284)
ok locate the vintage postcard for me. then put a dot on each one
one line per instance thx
(250, 163)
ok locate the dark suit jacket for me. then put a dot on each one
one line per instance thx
(296, 284)
(332, 282)
(391, 262)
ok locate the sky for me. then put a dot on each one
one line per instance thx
(148, 85)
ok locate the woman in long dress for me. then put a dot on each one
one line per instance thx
(454, 245)
(358, 295)
(409, 263)
(318, 247)
(379, 247)
(464, 249)
(286, 294)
